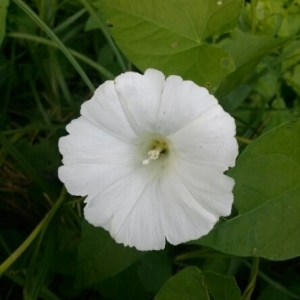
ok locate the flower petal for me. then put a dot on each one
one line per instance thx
(208, 185)
(183, 218)
(129, 210)
(105, 110)
(140, 96)
(87, 143)
(209, 139)
(182, 103)
(90, 179)
(142, 228)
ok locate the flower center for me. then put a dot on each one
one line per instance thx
(157, 150)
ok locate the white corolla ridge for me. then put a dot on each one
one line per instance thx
(149, 153)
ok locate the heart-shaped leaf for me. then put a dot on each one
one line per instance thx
(150, 35)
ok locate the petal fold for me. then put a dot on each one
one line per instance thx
(129, 210)
(183, 218)
(208, 139)
(87, 143)
(182, 103)
(140, 96)
(91, 179)
(208, 185)
(105, 110)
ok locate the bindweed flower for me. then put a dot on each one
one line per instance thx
(149, 153)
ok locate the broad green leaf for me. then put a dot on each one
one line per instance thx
(267, 189)
(222, 287)
(154, 269)
(247, 51)
(125, 286)
(170, 35)
(3, 13)
(100, 257)
(189, 284)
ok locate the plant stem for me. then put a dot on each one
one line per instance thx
(274, 283)
(252, 282)
(243, 140)
(14, 256)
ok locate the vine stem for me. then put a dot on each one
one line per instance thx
(45, 221)
(252, 282)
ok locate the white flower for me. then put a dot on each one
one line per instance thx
(150, 153)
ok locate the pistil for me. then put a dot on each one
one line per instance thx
(154, 154)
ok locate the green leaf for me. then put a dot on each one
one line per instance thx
(189, 284)
(171, 35)
(100, 257)
(267, 189)
(3, 13)
(247, 51)
(125, 286)
(222, 287)
(154, 269)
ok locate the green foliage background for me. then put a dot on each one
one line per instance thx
(53, 55)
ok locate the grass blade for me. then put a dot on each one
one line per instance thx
(80, 56)
(113, 46)
(60, 45)
(44, 223)
(3, 13)
(69, 21)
